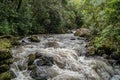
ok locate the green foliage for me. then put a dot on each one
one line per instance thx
(105, 21)
(24, 17)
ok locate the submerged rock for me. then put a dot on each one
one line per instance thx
(52, 44)
(72, 39)
(31, 67)
(116, 77)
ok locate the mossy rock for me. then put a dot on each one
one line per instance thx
(7, 61)
(5, 54)
(91, 51)
(31, 59)
(83, 32)
(5, 43)
(34, 39)
(6, 76)
(4, 68)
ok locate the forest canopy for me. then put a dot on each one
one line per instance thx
(37, 16)
(23, 17)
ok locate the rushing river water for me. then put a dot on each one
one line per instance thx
(70, 63)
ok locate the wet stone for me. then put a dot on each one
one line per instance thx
(6, 76)
(39, 74)
(34, 39)
(5, 54)
(72, 39)
(31, 59)
(44, 61)
(31, 67)
(105, 76)
(52, 44)
(116, 77)
(4, 68)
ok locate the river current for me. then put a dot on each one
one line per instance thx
(70, 63)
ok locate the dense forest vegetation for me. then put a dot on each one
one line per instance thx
(33, 16)
(23, 17)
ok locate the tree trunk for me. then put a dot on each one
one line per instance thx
(19, 5)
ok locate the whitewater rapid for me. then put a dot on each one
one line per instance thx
(70, 63)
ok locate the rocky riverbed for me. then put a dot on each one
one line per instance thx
(59, 57)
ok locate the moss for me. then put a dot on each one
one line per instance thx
(32, 57)
(6, 76)
(5, 54)
(5, 43)
(4, 68)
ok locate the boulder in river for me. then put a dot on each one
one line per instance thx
(44, 61)
(83, 32)
(6, 76)
(34, 39)
(52, 44)
(4, 68)
(5, 54)
(31, 59)
(39, 74)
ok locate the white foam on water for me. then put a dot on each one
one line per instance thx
(68, 65)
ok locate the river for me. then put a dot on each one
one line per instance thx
(69, 60)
